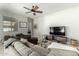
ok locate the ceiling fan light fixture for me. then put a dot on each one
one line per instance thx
(34, 10)
(34, 13)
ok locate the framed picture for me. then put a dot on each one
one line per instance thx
(23, 24)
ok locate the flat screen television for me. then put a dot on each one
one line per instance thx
(60, 30)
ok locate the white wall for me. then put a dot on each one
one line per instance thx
(1, 28)
(68, 17)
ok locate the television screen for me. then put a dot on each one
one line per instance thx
(57, 30)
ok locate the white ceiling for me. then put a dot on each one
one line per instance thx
(17, 8)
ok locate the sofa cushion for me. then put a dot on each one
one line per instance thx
(34, 54)
(22, 49)
(42, 51)
(10, 51)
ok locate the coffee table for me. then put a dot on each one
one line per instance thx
(45, 43)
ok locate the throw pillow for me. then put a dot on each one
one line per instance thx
(23, 40)
(8, 42)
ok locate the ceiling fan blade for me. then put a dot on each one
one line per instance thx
(27, 8)
(28, 12)
(39, 11)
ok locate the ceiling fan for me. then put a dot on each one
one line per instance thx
(34, 9)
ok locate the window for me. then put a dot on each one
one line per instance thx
(8, 25)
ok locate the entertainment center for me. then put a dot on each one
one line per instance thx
(59, 34)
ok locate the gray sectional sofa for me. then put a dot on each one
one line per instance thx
(14, 47)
